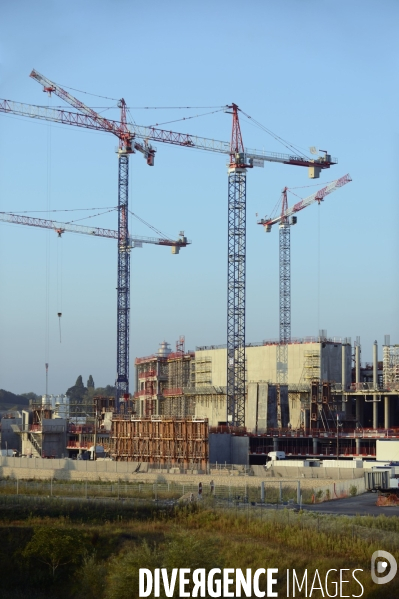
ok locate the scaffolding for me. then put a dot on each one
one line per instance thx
(161, 379)
(312, 364)
(391, 367)
(203, 371)
(161, 440)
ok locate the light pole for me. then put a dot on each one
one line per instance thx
(337, 436)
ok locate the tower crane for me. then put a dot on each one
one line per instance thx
(285, 220)
(240, 159)
(127, 146)
(134, 241)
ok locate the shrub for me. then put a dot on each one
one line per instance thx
(353, 491)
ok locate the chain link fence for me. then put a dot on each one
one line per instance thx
(268, 492)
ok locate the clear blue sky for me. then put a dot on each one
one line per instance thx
(316, 73)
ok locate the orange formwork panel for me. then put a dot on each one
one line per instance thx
(161, 440)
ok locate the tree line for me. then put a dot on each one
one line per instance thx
(81, 396)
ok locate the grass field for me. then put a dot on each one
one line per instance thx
(58, 548)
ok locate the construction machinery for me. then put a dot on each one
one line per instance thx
(240, 160)
(285, 220)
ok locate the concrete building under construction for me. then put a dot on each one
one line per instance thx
(191, 383)
(329, 398)
(331, 405)
(161, 379)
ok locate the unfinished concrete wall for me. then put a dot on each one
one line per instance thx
(240, 450)
(261, 363)
(211, 407)
(219, 448)
(305, 361)
(284, 406)
(331, 363)
(54, 437)
(10, 439)
(295, 407)
(251, 412)
(228, 449)
(262, 408)
(271, 406)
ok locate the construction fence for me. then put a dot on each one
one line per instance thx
(268, 492)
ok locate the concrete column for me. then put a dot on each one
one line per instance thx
(343, 369)
(348, 407)
(357, 441)
(375, 414)
(375, 365)
(359, 409)
(357, 364)
(315, 446)
(275, 443)
(387, 420)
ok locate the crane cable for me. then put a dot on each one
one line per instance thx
(318, 269)
(284, 142)
(188, 118)
(61, 210)
(59, 282)
(157, 231)
(90, 216)
(48, 255)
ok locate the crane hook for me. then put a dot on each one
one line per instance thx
(59, 322)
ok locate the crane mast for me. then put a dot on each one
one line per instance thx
(123, 283)
(236, 258)
(284, 294)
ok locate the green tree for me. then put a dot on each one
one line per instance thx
(182, 550)
(108, 391)
(123, 571)
(54, 547)
(78, 390)
(90, 383)
(90, 579)
(76, 396)
(31, 395)
(186, 549)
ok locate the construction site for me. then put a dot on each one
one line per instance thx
(233, 403)
(331, 406)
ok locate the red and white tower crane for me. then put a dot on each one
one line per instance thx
(285, 220)
(134, 241)
(127, 146)
(240, 160)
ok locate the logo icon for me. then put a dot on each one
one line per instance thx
(380, 560)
